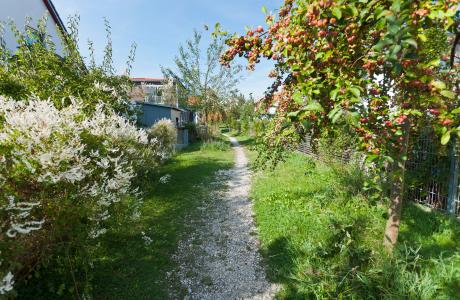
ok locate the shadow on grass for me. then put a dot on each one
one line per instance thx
(434, 232)
(247, 141)
(329, 263)
(135, 269)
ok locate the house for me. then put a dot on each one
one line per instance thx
(157, 99)
(155, 90)
(20, 10)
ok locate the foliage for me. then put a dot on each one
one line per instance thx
(368, 64)
(34, 69)
(165, 133)
(321, 238)
(207, 82)
(215, 145)
(62, 174)
(239, 113)
(337, 146)
(71, 159)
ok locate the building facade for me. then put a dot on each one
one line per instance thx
(19, 11)
(155, 90)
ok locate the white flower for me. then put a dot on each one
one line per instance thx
(165, 179)
(6, 284)
(147, 239)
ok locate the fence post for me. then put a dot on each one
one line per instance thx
(453, 177)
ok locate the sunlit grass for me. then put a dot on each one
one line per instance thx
(322, 239)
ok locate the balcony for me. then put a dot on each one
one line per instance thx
(154, 99)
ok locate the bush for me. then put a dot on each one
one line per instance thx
(259, 127)
(62, 173)
(68, 164)
(215, 146)
(165, 133)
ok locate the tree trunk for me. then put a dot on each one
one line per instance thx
(397, 193)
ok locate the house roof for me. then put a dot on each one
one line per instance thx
(54, 14)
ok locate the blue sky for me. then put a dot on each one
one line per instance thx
(158, 27)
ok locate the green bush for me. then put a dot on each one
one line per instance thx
(165, 133)
(215, 146)
(69, 165)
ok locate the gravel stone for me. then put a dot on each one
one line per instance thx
(226, 264)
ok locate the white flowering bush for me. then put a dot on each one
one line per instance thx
(165, 133)
(62, 171)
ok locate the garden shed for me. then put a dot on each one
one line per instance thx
(153, 112)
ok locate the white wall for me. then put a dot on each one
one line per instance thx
(18, 10)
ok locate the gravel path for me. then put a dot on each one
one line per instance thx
(220, 258)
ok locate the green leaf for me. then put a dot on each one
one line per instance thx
(448, 94)
(422, 37)
(456, 111)
(333, 112)
(396, 7)
(353, 10)
(333, 94)
(411, 42)
(355, 91)
(395, 50)
(293, 114)
(337, 116)
(314, 106)
(337, 12)
(298, 98)
(438, 84)
(382, 43)
(264, 9)
(445, 138)
(394, 29)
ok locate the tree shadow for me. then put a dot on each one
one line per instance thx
(338, 257)
(434, 232)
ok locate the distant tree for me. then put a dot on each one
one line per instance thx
(201, 76)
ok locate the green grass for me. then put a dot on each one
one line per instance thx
(131, 269)
(322, 240)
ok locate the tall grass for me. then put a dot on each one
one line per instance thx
(322, 239)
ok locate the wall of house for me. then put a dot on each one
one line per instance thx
(176, 115)
(18, 10)
(150, 114)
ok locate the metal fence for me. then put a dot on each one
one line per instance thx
(431, 171)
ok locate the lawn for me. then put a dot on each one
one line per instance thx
(322, 239)
(134, 269)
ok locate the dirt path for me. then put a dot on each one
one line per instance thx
(220, 258)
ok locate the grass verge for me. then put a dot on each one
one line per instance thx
(321, 239)
(133, 268)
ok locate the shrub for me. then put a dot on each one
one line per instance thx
(69, 165)
(62, 173)
(165, 133)
(215, 146)
(259, 127)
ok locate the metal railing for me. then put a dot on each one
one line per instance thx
(432, 171)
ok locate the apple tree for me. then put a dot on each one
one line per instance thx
(384, 67)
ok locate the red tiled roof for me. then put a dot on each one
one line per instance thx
(147, 79)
